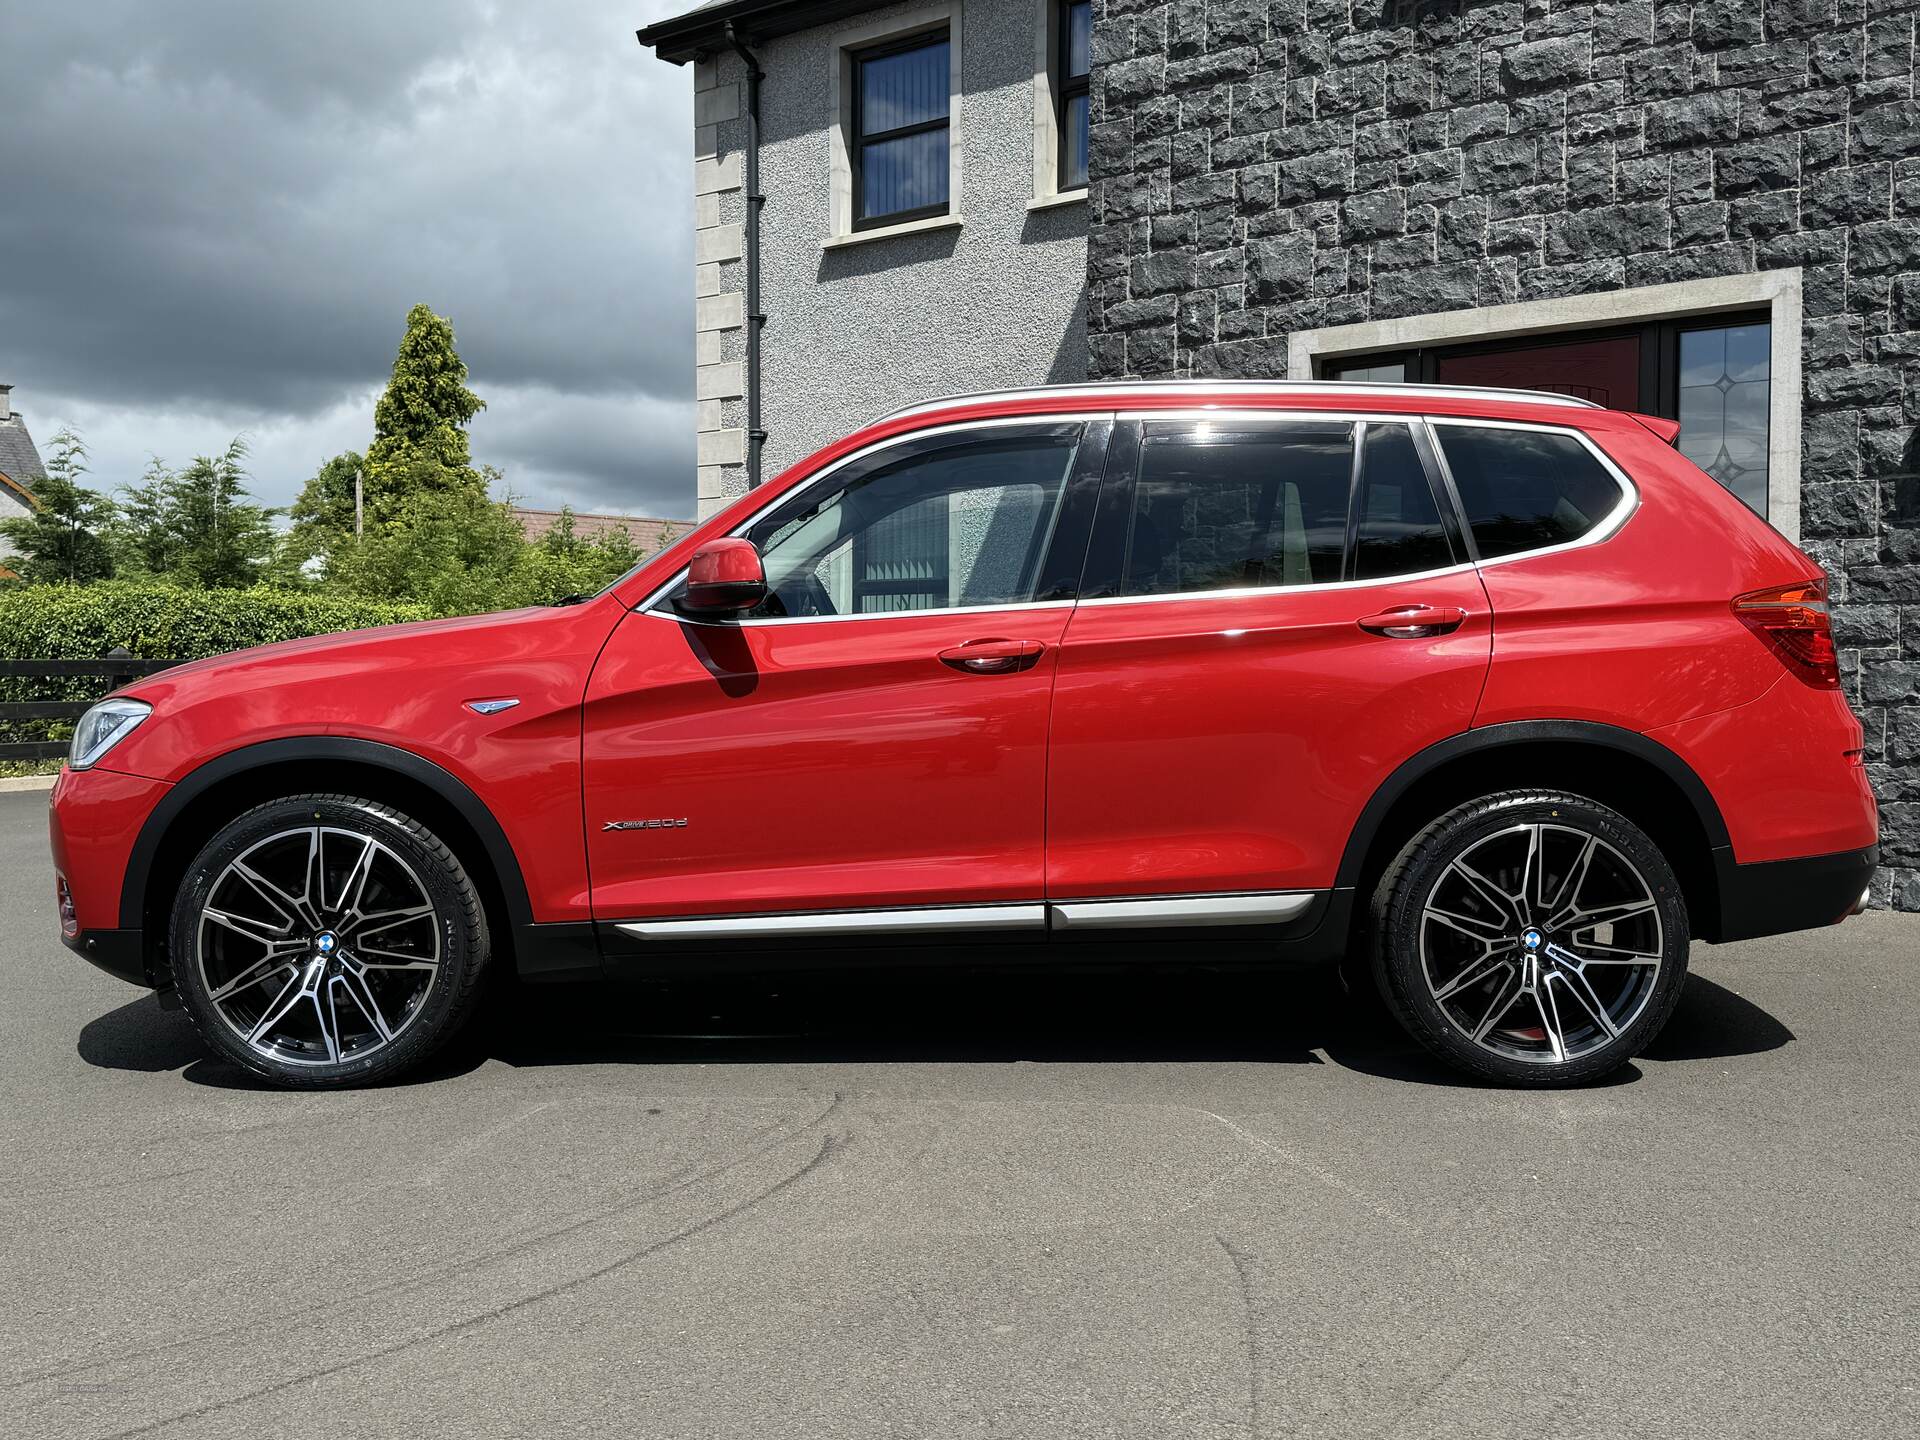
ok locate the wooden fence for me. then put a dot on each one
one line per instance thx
(113, 669)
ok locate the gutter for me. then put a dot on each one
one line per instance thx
(756, 436)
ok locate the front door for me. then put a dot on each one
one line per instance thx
(1268, 630)
(873, 737)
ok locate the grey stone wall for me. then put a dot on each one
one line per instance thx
(1262, 166)
(855, 331)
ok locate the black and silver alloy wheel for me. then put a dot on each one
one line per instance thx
(326, 940)
(1536, 938)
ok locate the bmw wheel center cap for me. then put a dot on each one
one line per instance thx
(1530, 939)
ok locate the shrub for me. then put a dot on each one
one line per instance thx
(168, 622)
(156, 622)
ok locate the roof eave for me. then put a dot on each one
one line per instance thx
(702, 32)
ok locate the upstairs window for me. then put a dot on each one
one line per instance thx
(1074, 49)
(901, 110)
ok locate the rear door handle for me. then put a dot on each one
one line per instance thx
(993, 657)
(1415, 622)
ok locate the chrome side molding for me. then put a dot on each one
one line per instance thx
(1263, 908)
(956, 919)
(1268, 907)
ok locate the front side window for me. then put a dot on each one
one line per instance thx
(900, 131)
(961, 521)
(1223, 510)
(1074, 48)
(1525, 489)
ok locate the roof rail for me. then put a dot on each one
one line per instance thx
(1254, 387)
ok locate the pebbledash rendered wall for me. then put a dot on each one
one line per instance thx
(1266, 169)
(859, 327)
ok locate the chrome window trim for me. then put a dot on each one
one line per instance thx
(826, 472)
(679, 619)
(1243, 592)
(1250, 387)
(1261, 907)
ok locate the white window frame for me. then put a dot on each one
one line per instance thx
(1778, 292)
(1046, 112)
(840, 97)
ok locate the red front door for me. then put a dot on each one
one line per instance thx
(875, 735)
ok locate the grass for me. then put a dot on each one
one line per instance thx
(14, 769)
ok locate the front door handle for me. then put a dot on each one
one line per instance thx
(993, 657)
(1415, 622)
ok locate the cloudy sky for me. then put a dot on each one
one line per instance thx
(214, 216)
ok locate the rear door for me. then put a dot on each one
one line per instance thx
(1278, 612)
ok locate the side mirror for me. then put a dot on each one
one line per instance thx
(724, 577)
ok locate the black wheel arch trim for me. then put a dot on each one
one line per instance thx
(1520, 732)
(336, 748)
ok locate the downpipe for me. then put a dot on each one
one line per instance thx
(756, 435)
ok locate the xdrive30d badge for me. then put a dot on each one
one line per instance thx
(1492, 689)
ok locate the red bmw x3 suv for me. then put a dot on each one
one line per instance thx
(1494, 688)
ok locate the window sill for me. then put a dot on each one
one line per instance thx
(887, 232)
(1065, 197)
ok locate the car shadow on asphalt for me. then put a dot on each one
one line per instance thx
(1136, 1017)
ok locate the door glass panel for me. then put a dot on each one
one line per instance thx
(1525, 489)
(1399, 526)
(1393, 374)
(1220, 511)
(1726, 392)
(964, 523)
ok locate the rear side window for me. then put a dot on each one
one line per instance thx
(1397, 525)
(1227, 510)
(1525, 489)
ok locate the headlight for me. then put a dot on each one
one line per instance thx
(102, 728)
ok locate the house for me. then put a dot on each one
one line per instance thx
(20, 468)
(649, 535)
(1707, 211)
(924, 215)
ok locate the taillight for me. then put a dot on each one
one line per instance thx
(1794, 620)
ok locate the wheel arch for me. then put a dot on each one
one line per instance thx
(1619, 768)
(207, 798)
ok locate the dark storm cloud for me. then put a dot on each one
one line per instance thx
(226, 209)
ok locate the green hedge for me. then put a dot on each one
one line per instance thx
(157, 622)
(167, 622)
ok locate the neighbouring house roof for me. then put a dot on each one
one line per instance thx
(648, 533)
(703, 30)
(20, 463)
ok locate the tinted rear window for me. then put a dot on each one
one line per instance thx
(1526, 489)
(1216, 511)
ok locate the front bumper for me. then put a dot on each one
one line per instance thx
(1778, 896)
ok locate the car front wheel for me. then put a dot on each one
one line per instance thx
(325, 940)
(1534, 938)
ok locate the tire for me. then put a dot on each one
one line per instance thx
(1533, 938)
(353, 921)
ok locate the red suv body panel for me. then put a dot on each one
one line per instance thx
(1173, 746)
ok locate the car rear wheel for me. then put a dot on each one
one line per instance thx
(1534, 938)
(325, 940)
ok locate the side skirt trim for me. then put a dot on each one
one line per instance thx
(946, 919)
(1150, 913)
(1265, 908)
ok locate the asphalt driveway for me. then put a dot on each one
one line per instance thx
(1155, 1205)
